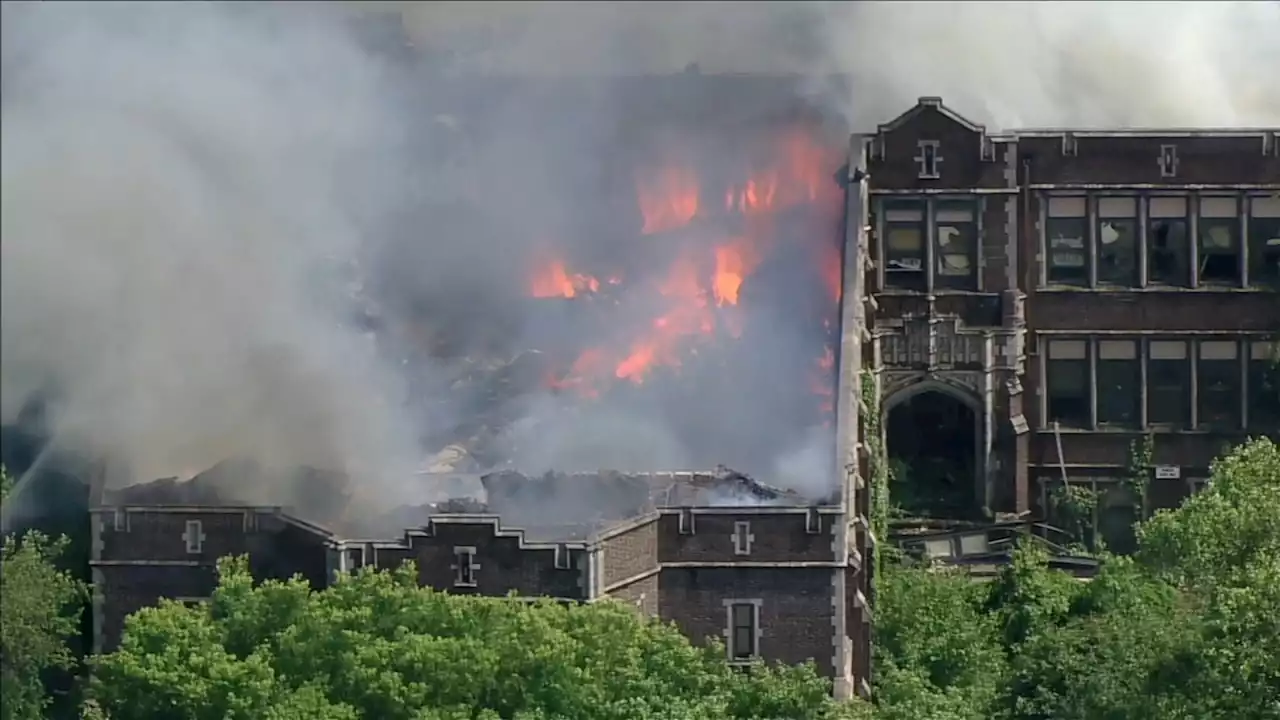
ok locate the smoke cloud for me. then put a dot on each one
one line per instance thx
(202, 201)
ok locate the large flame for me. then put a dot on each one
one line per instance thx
(698, 298)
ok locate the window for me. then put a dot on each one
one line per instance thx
(1168, 383)
(928, 159)
(743, 629)
(1119, 383)
(194, 537)
(904, 234)
(464, 567)
(1264, 241)
(1118, 241)
(1218, 384)
(1219, 241)
(956, 237)
(742, 538)
(1264, 385)
(1068, 382)
(1066, 245)
(1168, 251)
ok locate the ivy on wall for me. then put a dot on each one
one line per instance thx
(1141, 466)
(878, 466)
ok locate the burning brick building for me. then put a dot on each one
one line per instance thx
(714, 308)
(1043, 304)
(769, 576)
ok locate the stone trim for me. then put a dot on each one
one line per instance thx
(147, 563)
(626, 582)
(755, 564)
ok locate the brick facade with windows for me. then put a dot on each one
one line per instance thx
(1124, 283)
(773, 581)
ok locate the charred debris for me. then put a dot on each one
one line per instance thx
(551, 506)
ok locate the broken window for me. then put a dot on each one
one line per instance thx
(1218, 385)
(904, 237)
(464, 567)
(928, 159)
(1066, 242)
(1219, 241)
(1119, 383)
(744, 620)
(1067, 371)
(1168, 249)
(1264, 385)
(1168, 383)
(1264, 241)
(1118, 241)
(956, 244)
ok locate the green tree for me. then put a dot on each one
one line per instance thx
(39, 612)
(376, 646)
(937, 653)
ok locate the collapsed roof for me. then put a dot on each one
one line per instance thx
(551, 506)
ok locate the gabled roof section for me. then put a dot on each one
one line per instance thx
(931, 103)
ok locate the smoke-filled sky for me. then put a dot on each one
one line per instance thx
(191, 190)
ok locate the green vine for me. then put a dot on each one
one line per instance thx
(1075, 506)
(1141, 466)
(878, 466)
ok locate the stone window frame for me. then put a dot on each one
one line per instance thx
(194, 537)
(1073, 208)
(731, 650)
(742, 538)
(464, 572)
(927, 213)
(928, 164)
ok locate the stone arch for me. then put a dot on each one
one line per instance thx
(933, 433)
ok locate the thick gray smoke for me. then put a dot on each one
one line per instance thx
(193, 194)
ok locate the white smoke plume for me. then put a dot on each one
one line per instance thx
(187, 188)
(184, 187)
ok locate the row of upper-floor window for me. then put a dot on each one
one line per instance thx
(1112, 240)
(1090, 241)
(1205, 384)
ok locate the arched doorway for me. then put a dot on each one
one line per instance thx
(932, 442)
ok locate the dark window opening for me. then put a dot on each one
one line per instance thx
(1119, 382)
(1067, 379)
(743, 631)
(1219, 251)
(904, 245)
(932, 446)
(928, 159)
(1264, 251)
(1168, 384)
(1218, 386)
(1264, 388)
(1067, 247)
(1168, 252)
(464, 568)
(956, 245)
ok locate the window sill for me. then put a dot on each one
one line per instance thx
(938, 292)
(1156, 430)
(1154, 289)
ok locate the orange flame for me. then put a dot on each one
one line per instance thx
(554, 280)
(668, 200)
(702, 290)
